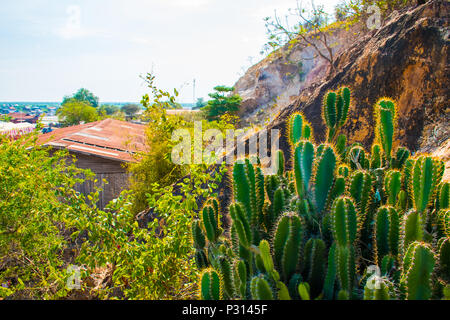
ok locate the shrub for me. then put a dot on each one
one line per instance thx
(35, 191)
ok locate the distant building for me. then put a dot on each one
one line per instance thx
(105, 147)
(20, 117)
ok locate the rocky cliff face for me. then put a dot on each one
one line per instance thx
(407, 60)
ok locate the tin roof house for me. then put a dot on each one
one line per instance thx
(105, 147)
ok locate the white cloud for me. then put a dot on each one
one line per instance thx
(73, 27)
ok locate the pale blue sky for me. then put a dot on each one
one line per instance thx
(51, 48)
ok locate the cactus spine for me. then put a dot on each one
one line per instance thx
(386, 233)
(344, 232)
(418, 265)
(286, 244)
(426, 174)
(210, 287)
(385, 113)
(335, 110)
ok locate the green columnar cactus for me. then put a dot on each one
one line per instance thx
(197, 236)
(338, 188)
(211, 224)
(266, 257)
(314, 265)
(307, 131)
(295, 128)
(210, 285)
(387, 265)
(341, 144)
(444, 221)
(303, 166)
(444, 196)
(199, 245)
(392, 186)
(361, 190)
(356, 157)
(323, 176)
(426, 175)
(225, 270)
(386, 237)
(244, 188)
(385, 113)
(298, 128)
(375, 159)
(412, 229)
(344, 223)
(260, 196)
(240, 278)
(303, 290)
(271, 183)
(328, 287)
(260, 288)
(286, 244)
(381, 290)
(343, 171)
(402, 202)
(418, 265)
(401, 156)
(335, 110)
(279, 159)
(241, 224)
(200, 259)
(444, 257)
(277, 205)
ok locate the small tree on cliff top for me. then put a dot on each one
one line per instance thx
(222, 102)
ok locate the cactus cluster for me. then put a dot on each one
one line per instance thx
(316, 232)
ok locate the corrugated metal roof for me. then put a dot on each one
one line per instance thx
(109, 138)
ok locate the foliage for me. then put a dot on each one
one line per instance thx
(200, 103)
(108, 109)
(73, 112)
(155, 262)
(321, 230)
(83, 95)
(33, 186)
(155, 165)
(359, 9)
(311, 27)
(131, 109)
(223, 101)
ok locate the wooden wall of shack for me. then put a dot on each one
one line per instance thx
(113, 171)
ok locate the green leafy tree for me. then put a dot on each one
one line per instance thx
(73, 112)
(131, 109)
(223, 101)
(108, 109)
(85, 96)
(200, 103)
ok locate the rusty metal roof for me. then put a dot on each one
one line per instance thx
(109, 138)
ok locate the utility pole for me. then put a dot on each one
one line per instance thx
(193, 101)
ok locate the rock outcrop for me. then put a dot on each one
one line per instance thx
(407, 60)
